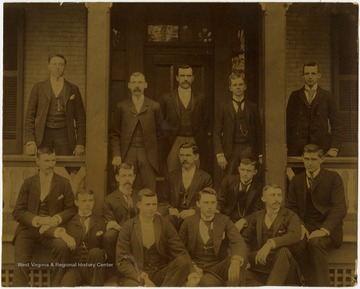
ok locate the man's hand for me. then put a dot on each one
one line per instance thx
(44, 221)
(234, 272)
(113, 225)
(148, 282)
(317, 234)
(54, 221)
(262, 254)
(221, 160)
(79, 150)
(43, 229)
(70, 241)
(241, 224)
(193, 279)
(304, 232)
(260, 159)
(30, 149)
(332, 152)
(187, 213)
(116, 161)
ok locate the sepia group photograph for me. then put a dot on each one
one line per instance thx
(159, 144)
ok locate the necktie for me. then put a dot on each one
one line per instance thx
(83, 219)
(311, 182)
(239, 103)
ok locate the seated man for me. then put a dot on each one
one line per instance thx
(84, 236)
(119, 207)
(149, 251)
(184, 183)
(317, 196)
(45, 201)
(240, 195)
(207, 236)
(269, 233)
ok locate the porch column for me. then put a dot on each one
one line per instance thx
(274, 39)
(97, 91)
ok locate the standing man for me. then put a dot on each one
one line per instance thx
(186, 116)
(149, 251)
(312, 116)
(55, 115)
(268, 235)
(207, 237)
(45, 201)
(184, 183)
(119, 206)
(84, 236)
(317, 196)
(240, 195)
(135, 132)
(237, 129)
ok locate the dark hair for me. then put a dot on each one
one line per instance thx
(313, 148)
(84, 191)
(208, 190)
(188, 145)
(145, 192)
(270, 186)
(311, 63)
(52, 55)
(44, 151)
(249, 161)
(182, 66)
(125, 166)
(236, 76)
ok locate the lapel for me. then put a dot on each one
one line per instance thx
(193, 101)
(67, 90)
(137, 230)
(217, 233)
(194, 184)
(250, 195)
(318, 180)
(131, 106)
(259, 226)
(193, 233)
(93, 223)
(231, 109)
(304, 190)
(47, 88)
(302, 96)
(175, 99)
(53, 185)
(278, 221)
(247, 110)
(145, 106)
(178, 180)
(319, 95)
(120, 198)
(157, 232)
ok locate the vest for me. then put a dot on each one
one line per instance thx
(44, 207)
(137, 139)
(204, 252)
(239, 210)
(185, 119)
(241, 133)
(56, 117)
(312, 215)
(153, 260)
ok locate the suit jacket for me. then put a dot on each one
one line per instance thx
(224, 233)
(116, 209)
(61, 202)
(130, 242)
(200, 181)
(286, 229)
(200, 121)
(95, 233)
(228, 196)
(310, 125)
(38, 107)
(224, 127)
(328, 198)
(124, 123)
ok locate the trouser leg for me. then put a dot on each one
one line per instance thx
(96, 274)
(282, 263)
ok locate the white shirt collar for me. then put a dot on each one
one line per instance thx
(139, 100)
(183, 91)
(314, 87)
(189, 172)
(314, 174)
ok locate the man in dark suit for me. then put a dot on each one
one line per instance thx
(184, 183)
(240, 195)
(45, 201)
(317, 196)
(149, 251)
(309, 112)
(268, 235)
(207, 237)
(84, 236)
(119, 206)
(237, 129)
(135, 131)
(186, 119)
(55, 115)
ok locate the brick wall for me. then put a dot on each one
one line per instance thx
(55, 28)
(308, 38)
